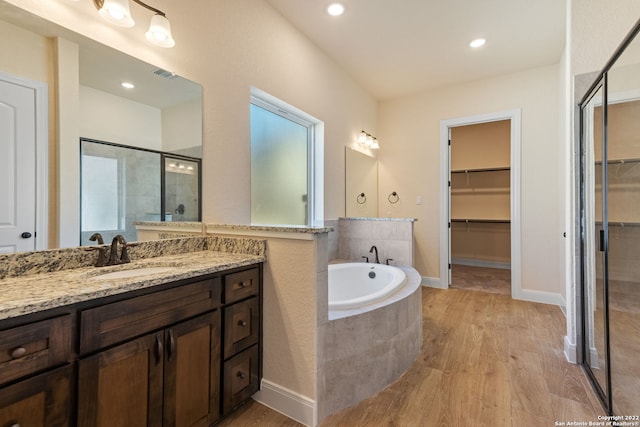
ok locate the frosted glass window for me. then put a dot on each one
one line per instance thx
(100, 199)
(280, 159)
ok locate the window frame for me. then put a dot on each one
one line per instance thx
(286, 111)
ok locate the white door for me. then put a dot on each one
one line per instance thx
(17, 167)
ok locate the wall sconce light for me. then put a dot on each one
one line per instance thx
(117, 12)
(368, 140)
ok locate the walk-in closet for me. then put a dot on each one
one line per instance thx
(610, 217)
(480, 206)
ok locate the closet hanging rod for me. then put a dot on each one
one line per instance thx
(618, 161)
(477, 220)
(620, 223)
(497, 169)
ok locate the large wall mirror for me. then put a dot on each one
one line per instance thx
(361, 184)
(162, 113)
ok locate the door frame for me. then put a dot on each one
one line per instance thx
(41, 98)
(445, 175)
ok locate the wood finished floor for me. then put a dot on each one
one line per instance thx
(494, 280)
(487, 360)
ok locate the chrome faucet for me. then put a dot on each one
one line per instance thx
(372, 250)
(124, 256)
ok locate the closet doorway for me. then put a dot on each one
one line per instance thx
(480, 191)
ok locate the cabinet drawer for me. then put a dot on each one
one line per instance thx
(119, 321)
(241, 285)
(27, 349)
(241, 326)
(41, 401)
(241, 378)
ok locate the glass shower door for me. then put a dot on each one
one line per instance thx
(595, 240)
(623, 188)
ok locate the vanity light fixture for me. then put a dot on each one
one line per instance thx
(368, 140)
(117, 12)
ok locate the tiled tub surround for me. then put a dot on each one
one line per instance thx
(392, 236)
(42, 280)
(368, 348)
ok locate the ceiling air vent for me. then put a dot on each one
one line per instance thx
(166, 74)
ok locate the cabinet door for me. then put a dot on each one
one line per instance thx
(192, 372)
(42, 401)
(122, 386)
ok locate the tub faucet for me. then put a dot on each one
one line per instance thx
(124, 256)
(375, 250)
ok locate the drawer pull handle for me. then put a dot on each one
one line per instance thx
(18, 353)
(242, 323)
(244, 284)
(240, 375)
(158, 348)
(172, 344)
(14, 425)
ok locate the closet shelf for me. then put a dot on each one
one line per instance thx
(481, 220)
(496, 169)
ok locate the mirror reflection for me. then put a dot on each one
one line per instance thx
(121, 185)
(155, 110)
(361, 184)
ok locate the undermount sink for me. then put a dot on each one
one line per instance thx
(137, 272)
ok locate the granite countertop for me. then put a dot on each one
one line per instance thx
(37, 292)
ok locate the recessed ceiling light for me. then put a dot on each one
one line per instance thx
(477, 43)
(128, 85)
(335, 9)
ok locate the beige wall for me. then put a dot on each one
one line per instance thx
(111, 118)
(182, 126)
(597, 29)
(228, 47)
(409, 127)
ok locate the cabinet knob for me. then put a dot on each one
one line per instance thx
(14, 425)
(18, 353)
(240, 375)
(244, 284)
(242, 323)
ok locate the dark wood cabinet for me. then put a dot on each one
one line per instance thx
(178, 356)
(41, 401)
(242, 338)
(192, 372)
(167, 378)
(34, 347)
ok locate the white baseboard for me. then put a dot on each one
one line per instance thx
(540, 296)
(431, 282)
(570, 351)
(481, 263)
(288, 402)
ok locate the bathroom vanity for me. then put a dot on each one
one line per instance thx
(179, 346)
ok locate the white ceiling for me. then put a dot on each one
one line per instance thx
(398, 47)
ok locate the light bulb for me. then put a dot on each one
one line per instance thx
(160, 31)
(335, 9)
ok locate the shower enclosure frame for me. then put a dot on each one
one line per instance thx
(163, 155)
(601, 239)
